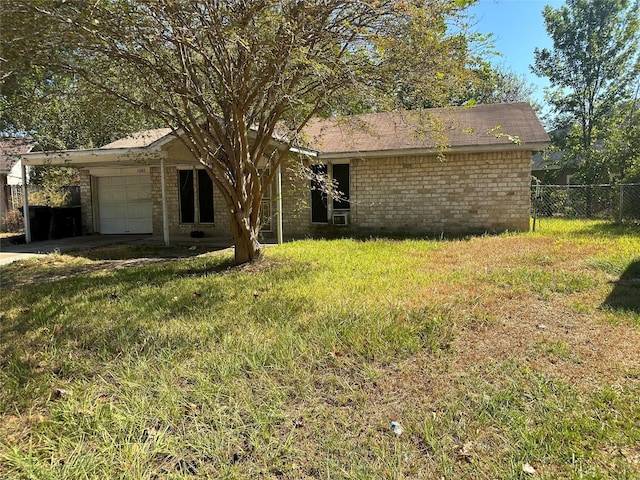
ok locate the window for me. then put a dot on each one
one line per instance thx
(340, 174)
(319, 211)
(202, 190)
(187, 203)
(205, 197)
(341, 182)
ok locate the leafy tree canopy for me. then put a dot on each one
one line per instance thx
(593, 70)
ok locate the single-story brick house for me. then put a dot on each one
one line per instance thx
(463, 169)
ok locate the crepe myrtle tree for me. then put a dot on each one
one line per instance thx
(239, 79)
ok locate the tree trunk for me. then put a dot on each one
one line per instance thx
(245, 239)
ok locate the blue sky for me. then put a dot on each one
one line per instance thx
(518, 28)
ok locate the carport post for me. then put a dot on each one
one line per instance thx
(25, 204)
(165, 213)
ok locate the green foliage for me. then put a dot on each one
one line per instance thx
(61, 111)
(593, 68)
(622, 142)
(496, 85)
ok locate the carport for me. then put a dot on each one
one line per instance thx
(124, 188)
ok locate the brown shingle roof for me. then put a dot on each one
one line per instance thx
(10, 149)
(457, 127)
(482, 126)
(143, 138)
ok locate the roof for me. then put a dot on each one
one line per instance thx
(140, 139)
(546, 160)
(513, 125)
(462, 129)
(10, 149)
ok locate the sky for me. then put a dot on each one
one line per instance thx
(518, 28)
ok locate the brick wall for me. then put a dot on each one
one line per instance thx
(481, 192)
(465, 193)
(86, 202)
(219, 229)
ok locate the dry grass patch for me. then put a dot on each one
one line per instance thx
(493, 353)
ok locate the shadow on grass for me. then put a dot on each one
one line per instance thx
(626, 292)
(605, 228)
(140, 310)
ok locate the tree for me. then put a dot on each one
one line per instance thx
(54, 107)
(42, 99)
(232, 75)
(591, 69)
(61, 112)
(499, 85)
(621, 141)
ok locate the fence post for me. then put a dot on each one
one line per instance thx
(621, 206)
(536, 200)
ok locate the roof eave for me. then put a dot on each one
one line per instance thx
(534, 146)
(95, 156)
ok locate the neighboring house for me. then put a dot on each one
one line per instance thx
(439, 170)
(548, 168)
(10, 169)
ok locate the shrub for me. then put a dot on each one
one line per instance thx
(12, 221)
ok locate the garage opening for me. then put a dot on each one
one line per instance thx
(124, 204)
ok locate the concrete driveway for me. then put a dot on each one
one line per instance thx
(12, 253)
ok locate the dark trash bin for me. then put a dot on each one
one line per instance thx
(40, 220)
(65, 222)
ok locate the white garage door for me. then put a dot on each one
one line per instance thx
(124, 204)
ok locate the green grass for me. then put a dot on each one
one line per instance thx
(295, 367)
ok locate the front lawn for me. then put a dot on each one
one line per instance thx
(513, 356)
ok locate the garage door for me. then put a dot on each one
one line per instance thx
(124, 204)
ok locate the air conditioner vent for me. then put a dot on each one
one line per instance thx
(340, 219)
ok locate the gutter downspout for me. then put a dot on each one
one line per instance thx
(25, 204)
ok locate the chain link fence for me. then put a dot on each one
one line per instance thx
(617, 203)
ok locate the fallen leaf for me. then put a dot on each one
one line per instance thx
(466, 451)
